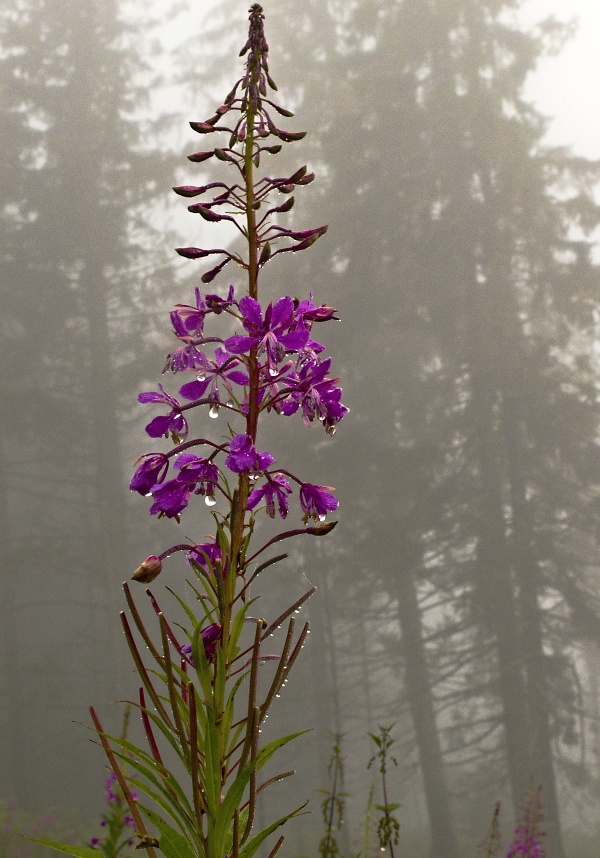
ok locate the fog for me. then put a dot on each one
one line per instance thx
(458, 599)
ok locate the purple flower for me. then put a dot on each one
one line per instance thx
(318, 395)
(207, 555)
(244, 457)
(317, 501)
(217, 304)
(211, 635)
(199, 472)
(170, 498)
(308, 312)
(223, 367)
(174, 422)
(188, 318)
(151, 471)
(276, 487)
(271, 334)
(196, 474)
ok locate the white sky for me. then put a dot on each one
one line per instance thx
(567, 87)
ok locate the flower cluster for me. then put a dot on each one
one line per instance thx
(527, 842)
(291, 378)
(116, 821)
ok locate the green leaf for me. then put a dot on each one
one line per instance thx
(212, 765)
(237, 625)
(269, 749)
(171, 843)
(251, 846)
(77, 851)
(181, 820)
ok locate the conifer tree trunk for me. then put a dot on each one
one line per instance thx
(421, 705)
(537, 691)
(12, 767)
(495, 580)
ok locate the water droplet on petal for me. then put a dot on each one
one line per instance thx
(230, 403)
(322, 517)
(200, 376)
(210, 500)
(214, 410)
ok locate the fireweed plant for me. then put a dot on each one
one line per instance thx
(333, 805)
(199, 701)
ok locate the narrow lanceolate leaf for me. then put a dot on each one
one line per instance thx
(77, 851)
(250, 848)
(171, 843)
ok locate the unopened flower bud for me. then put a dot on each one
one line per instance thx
(149, 570)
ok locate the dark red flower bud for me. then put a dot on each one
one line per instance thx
(192, 252)
(188, 190)
(298, 175)
(290, 136)
(201, 127)
(206, 213)
(210, 275)
(286, 206)
(200, 156)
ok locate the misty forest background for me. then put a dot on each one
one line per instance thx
(459, 597)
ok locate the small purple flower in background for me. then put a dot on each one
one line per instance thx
(244, 457)
(317, 501)
(527, 840)
(174, 422)
(276, 488)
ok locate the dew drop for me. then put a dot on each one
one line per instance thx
(214, 410)
(229, 403)
(210, 500)
(322, 517)
(278, 695)
(200, 376)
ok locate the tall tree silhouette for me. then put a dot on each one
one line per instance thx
(69, 182)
